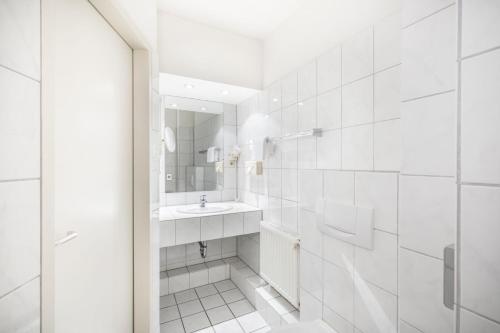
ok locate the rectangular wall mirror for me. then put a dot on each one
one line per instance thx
(196, 138)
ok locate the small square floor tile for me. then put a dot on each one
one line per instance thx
(174, 326)
(166, 301)
(205, 291)
(206, 330)
(190, 308)
(231, 326)
(185, 296)
(219, 315)
(252, 321)
(224, 285)
(263, 330)
(241, 308)
(169, 314)
(212, 301)
(196, 322)
(233, 295)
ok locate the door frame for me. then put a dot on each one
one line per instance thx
(144, 73)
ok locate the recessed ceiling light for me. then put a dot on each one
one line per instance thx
(301, 104)
(275, 99)
(174, 105)
(203, 108)
(188, 86)
(224, 92)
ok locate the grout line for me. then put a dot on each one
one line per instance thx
(419, 252)
(430, 176)
(19, 287)
(19, 73)
(407, 323)
(479, 184)
(479, 314)
(18, 180)
(427, 96)
(473, 55)
(457, 278)
(427, 16)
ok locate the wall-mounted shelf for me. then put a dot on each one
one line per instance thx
(312, 132)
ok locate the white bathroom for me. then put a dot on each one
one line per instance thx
(181, 166)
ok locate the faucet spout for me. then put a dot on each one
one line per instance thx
(203, 201)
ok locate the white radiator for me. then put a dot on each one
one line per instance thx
(279, 261)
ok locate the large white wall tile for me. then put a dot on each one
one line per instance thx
(20, 233)
(310, 188)
(387, 90)
(428, 54)
(307, 153)
(211, 227)
(421, 293)
(407, 328)
(338, 290)
(357, 102)
(290, 184)
(329, 150)
(375, 310)
(307, 81)
(20, 36)
(329, 70)
(480, 25)
(472, 323)
(187, 230)
(310, 307)
(379, 265)
(289, 118)
(307, 114)
(427, 213)
(330, 110)
(289, 89)
(379, 191)
(289, 149)
(339, 324)
(311, 274)
(19, 125)
(274, 182)
(480, 248)
(357, 148)
(289, 213)
(387, 42)
(338, 252)
(339, 186)
(20, 310)
(428, 128)
(272, 211)
(357, 56)
(310, 236)
(414, 10)
(387, 145)
(481, 118)
(167, 233)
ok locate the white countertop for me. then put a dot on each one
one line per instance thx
(171, 213)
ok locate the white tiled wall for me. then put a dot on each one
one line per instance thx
(432, 174)
(20, 166)
(427, 185)
(352, 93)
(479, 60)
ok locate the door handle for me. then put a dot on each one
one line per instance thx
(70, 235)
(449, 276)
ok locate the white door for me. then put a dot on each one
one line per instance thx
(92, 172)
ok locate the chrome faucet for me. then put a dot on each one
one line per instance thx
(203, 201)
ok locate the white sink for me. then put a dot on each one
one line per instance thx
(208, 209)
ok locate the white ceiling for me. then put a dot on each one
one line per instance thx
(175, 85)
(252, 18)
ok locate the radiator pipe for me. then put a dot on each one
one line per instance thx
(203, 249)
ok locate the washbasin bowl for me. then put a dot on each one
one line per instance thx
(208, 209)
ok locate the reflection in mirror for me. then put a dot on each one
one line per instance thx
(194, 150)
